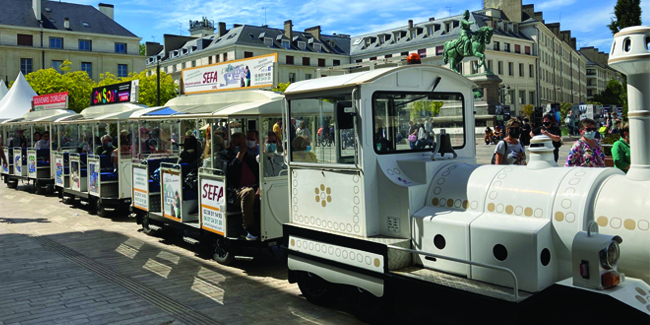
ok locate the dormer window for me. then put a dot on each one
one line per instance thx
(429, 30)
(317, 47)
(412, 34)
(301, 45)
(286, 44)
(85, 24)
(268, 41)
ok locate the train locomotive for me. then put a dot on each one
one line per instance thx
(520, 239)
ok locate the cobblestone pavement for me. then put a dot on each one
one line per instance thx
(61, 265)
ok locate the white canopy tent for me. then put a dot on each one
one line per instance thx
(3, 89)
(18, 100)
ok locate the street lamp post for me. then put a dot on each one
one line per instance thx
(158, 76)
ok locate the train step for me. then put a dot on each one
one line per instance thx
(154, 227)
(191, 240)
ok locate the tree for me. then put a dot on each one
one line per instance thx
(78, 84)
(565, 108)
(614, 94)
(419, 107)
(528, 110)
(628, 13)
(281, 87)
(143, 49)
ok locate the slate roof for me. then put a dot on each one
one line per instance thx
(20, 13)
(359, 46)
(254, 36)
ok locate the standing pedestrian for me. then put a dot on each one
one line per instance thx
(621, 149)
(509, 151)
(524, 138)
(586, 151)
(550, 129)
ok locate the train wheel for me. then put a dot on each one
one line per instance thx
(40, 190)
(145, 226)
(12, 184)
(222, 253)
(316, 289)
(370, 308)
(101, 210)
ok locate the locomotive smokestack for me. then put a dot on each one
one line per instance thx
(630, 55)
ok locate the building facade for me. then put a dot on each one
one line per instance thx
(599, 73)
(300, 54)
(38, 34)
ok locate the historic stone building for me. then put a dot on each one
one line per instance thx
(300, 53)
(599, 73)
(37, 34)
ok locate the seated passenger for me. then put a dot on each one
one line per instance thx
(252, 137)
(106, 149)
(273, 162)
(44, 142)
(302, 150)
(190, 153)
(220, 158)
(243, 183)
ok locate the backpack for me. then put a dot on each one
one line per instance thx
(494, 155)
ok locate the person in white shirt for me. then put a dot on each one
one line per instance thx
(44, 142)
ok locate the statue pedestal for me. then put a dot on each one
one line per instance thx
(490, 84)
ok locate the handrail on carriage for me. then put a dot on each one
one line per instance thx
(498, 268)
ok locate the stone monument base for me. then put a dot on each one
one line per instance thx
(490, 84)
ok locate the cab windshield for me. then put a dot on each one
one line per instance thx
(410, 121)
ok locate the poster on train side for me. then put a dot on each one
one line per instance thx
(18, 162)
(75, 174)
(5, 169)
(172, 186)
(31, 163)
(140, 188)
(58, 178)
(93, 177)
(212, 205)
(255, 72)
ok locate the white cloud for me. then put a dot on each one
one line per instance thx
(553, 4)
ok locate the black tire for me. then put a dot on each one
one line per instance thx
(101, 209)
(39, 189)
(12, 184)
(370, 308)
(145, 225)
(222, 253)
(317, 290)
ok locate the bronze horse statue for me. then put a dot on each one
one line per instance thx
(453, 50)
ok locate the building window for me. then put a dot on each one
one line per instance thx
(439, 50)
(460, 67)
(307, 76)
(489, 65)
(429, 30)
(321, 62)
(496, 46)
(248, 54)
(85, 45)
(305, 61)
(336, 62)
(521, 70)
(26, 66)
(531, 71)
(56, 42)
(225, 57)
(183, 65)
(589, 92)
(527, 50)
(388, 56)
(88, 68)
(301, 45)
(422, 53)
(372, 58)
(517, 48)
(522, 97)
(500, 66)
(405, 53)
(506, 47)
(292, 77)
(210, 59)
(474, 66)
(286, 44)
(122, 70)
(511, 69)
(531, 98)
(511, 95)
(358, 61)
(120, 48)
(289, 59)
(56, 65)
(193, 63)
(25, 40)
(217, 59)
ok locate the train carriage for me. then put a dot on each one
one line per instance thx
(174, 196)
(393, 210)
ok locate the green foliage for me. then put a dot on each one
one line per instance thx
(593, 102)
(432, 107)
(628, 13)
(564, 111)
(143, 49)
(281, 87)
(528, 110)
(614, 94)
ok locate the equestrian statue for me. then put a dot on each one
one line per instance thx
(468, 44)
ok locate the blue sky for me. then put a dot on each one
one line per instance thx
(150, 19)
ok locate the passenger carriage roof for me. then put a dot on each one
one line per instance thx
(49, 115)
(112, 112)
(365, 77)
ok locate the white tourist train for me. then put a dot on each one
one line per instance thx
(571, 243)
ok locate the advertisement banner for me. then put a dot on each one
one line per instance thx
(58, 178)
(75, 174)
(50, 101)
(140, 188)
(5, 169)
(124, 92)
(211, 200)
(18, 162)
(255, 72)
(93, 177)
(31, 163)
(172, 185)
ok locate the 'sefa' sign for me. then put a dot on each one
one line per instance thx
(50, 101)
(255, 72)
(124, 92)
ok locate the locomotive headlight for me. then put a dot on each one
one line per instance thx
(610, 255)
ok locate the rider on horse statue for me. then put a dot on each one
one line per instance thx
(468, 44)
(466, 33)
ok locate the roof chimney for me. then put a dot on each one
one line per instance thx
(432, 18)
(314, 31)
(287, 29)
(66, 23)
(222, 28)
(410, 23)
(106, 9)
(36, 6)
